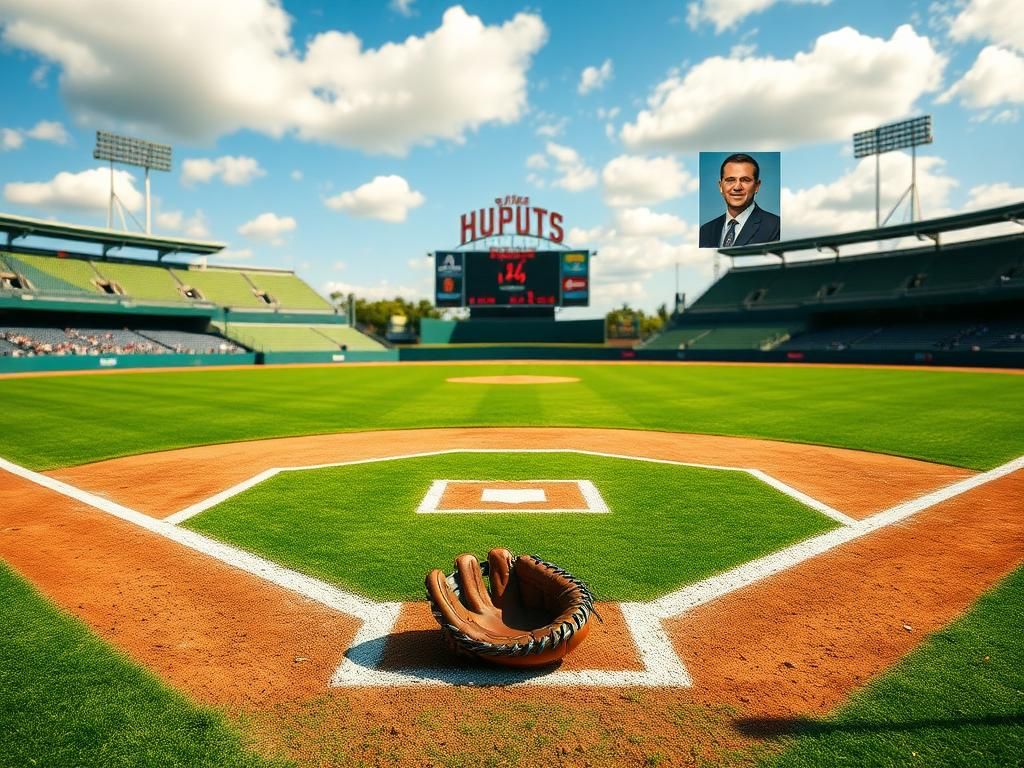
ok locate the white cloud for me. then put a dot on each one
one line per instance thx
(11, 139)
(630, 180)
(636, 244)
(727, 13)
(83, 191)
(382, 290)
(848, 203)
(403, 7)
(193, 226)
(233, 255)
(203, 70)
(574, 174)
(296, 175)
(997, 20)
(993, 196)
(552, 127)
(537, 161)
(643, 222)
(268, 227)
(230, 169)
(997, 77)
(594, 78)
(845, 83)
(44, 130)
(48, 130)
(388, 198)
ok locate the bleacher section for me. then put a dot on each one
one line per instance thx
(17, 341)
(288, 291)
(77, 276)
(885, 276)
(184, 342)
(226, 287)
(299, 338)
(721, 337)
(919, 337)
(57, 276)
(142, 283)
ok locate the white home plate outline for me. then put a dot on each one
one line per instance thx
(429, 506)
(662, 666)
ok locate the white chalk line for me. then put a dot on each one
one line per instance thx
(662, 665)
(438, 486)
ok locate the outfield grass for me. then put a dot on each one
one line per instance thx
(963, 418)
(357, 527)
(68, 699)
(956, 701)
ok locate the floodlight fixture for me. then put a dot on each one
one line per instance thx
(888, 138)
(115, 148)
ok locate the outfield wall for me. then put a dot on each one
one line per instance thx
(118, 362)
(498, 354)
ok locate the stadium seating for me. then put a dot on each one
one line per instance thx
(299, 338)
(884, 276)
(288, 291)
(143, 282)
(184, 342)
(720, 337)
(50, 275)
(226, 287)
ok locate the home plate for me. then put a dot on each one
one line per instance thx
(513, 495)
(488, 496)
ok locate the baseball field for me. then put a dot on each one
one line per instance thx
(795, 565)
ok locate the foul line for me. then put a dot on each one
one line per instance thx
(662, 666)
(436, 489)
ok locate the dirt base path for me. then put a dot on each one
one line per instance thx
(855, 482)
(794, 644)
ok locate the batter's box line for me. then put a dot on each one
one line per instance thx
(662, 666)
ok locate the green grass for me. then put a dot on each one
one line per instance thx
(956, 701)
(70, 700)
(962, 418)
(356, 526)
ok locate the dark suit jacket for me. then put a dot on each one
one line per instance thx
(761, 227)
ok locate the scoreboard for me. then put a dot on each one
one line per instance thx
(512, 278)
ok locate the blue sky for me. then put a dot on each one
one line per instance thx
(344, 140)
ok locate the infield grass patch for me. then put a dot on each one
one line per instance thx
(356, 526)
(966, 418)
(958, 700)
(68, 699)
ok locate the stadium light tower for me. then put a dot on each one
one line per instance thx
(143, 154)
(888, 138)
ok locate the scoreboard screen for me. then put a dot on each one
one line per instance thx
(510, 278)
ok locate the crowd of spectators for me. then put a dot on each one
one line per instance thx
(51, 341)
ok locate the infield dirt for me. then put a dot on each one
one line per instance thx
(794, 644)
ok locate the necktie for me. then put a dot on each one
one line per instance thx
(730, 234)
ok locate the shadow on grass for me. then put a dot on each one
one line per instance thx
(767, 727)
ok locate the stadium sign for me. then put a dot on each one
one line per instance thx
(511, 215)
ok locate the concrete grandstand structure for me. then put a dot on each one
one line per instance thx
(69, 309)
(960, 302)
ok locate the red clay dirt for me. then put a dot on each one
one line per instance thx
(794, 644)
(855, 482)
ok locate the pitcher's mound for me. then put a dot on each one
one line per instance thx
(513, 380)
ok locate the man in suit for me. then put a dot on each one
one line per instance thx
(738, 181)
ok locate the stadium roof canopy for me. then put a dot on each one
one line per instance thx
(17, 227)
(931, 229)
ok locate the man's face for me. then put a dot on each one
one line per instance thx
(738, 186)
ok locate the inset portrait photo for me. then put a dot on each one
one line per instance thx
(740, 198)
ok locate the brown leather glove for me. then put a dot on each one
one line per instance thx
(534, 614)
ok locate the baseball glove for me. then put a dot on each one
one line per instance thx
(534, 613)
